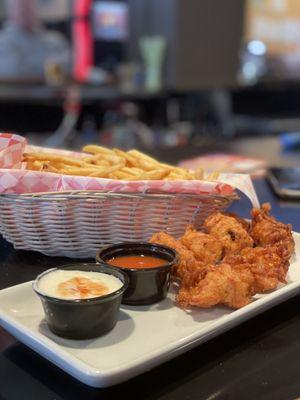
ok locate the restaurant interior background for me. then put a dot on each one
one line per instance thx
(175, 78)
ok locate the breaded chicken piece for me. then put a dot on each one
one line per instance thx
(245, 224)
(221, 285)
(206, 248)
(265, 263)
(267, 231)
(229, 231)
(187, 261)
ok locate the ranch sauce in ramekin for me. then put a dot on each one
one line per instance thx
(76, 285)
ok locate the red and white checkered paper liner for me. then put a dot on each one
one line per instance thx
(11, 150)
(15, 179)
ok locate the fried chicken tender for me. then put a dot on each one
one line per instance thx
(221, 285)
(187, 261)
(265, 263)
(229, 231)
(267, 231)
(245, 224)
(165, 239)
(206, 248)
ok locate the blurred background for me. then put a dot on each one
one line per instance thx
(176, 78)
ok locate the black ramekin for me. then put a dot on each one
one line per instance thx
(146, 285)
(83, 318)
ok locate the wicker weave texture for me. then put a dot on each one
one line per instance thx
(78, 224)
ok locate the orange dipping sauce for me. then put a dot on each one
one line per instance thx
(137, 261)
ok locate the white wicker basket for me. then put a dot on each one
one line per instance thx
(77, 224)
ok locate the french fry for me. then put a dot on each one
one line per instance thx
(95, 161)
(130, 160)
(52, 157)
(144, 162)
(213, 176)
(121, 175)
(141, 156)
(153, 175)
(37, 165)
(172, 176)
(133, 171)
(51, 168)
(95, 149)
(113, 158)
(29, 165)
(199, 173)
(84, 171)
(104, 172)
(175, 176)
(101, 163)
(180, 173)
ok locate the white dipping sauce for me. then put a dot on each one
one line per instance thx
(75, 284)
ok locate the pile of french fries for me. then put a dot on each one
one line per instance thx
(101, 162)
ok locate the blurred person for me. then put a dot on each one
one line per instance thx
(26, 47)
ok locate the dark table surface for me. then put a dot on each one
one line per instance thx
(260, 359)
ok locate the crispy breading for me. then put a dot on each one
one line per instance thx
(267, 231)
(221, 285)
(265, 263)
(206, 248)
(187, 261)
(229, 231)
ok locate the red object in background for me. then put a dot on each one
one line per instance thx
(82, 40)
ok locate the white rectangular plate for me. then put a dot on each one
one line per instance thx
(143, 337)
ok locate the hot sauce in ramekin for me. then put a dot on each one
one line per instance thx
(136, 261)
